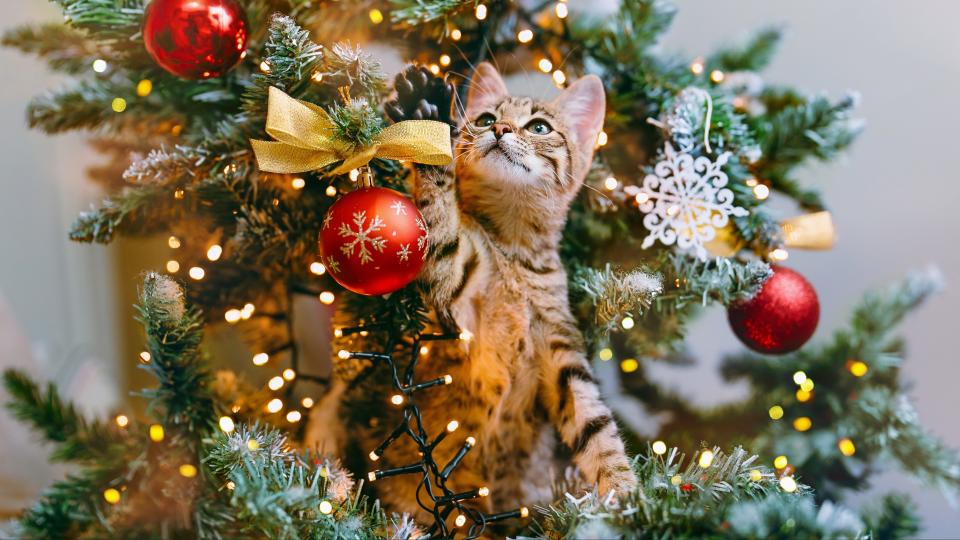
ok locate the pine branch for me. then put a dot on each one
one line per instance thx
(105, 19)
(135, 211)
(895, 518)
(174, 333)
(615, 294)
(417, 12)
(64, 48)
(77, 440)
(754, 55)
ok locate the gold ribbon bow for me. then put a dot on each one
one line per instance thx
(305, 140)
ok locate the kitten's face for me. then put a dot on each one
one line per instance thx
(525, 147)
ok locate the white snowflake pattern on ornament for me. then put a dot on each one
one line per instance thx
(363, 236)
(685, 200)
(399, 208)
(332, 264)
(422, 240)
(404, 252)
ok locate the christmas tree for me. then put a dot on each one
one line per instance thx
(192, 101)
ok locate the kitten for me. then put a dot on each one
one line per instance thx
(522, 384)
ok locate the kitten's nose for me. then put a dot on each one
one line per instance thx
(500, 129)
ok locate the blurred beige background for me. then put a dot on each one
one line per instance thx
(65, 308)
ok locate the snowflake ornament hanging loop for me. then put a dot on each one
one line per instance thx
(686, 200)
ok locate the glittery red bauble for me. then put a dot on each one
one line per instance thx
(195, 39)
(781, 317)
(373, 241)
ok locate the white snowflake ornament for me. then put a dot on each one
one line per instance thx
(685, 200)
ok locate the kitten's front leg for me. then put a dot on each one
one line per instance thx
(585, 423)
(452, 255)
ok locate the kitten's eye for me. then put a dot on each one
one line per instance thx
(539, 127)
(485, 120)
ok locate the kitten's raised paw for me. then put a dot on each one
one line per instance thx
(421, 95)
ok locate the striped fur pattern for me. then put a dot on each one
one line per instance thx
(522, 384)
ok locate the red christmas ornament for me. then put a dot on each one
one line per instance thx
(781, 317)
(195, 39)
(373, 241)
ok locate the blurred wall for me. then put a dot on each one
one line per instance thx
(893, 199)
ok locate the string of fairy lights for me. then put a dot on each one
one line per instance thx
(433, 494)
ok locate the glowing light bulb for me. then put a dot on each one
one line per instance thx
(627, 323)
(605, 354)
(156, 433)
(99, 65)
(448, 379)
(318, 268)
(755, 475)
(298, 183)
(317, 76)
(274, 405)
(294, 416)
(524, 511)
(781, 462)
(561, 10)
(676, 479)
(264, 67)
(275, 383)
(629, 365)
(751, 182)
(373, 456)
(807, 385)
(253, 445)
(525, 36)
(247, 311)
(214, 252)
(779, 255)
(611, 183)
(697, 66)
(641, 198)
(122, 420)
(471, 441)
(343, 354)
(802, 424)
(173, 266)
(327, 297)
(858, 368)
(372, 476)
(659, 448)
(717, 76)
(602, 138)
(803, 396)
(376, 16)
(197, 273)
(396, 399)
(424, 350)
(788, 484)
(846, 447)
(111, 495)
(232, 315)
(354, 175)
(466, 335)
(173, 242)
(226, 424)
(289, 374)
(231, 485)
(144, 87)
(444, 60)
(331, 191)
(481, 12)
(776, 412)
(260, 359)
(435, 69)
(307, 402)
(706, 459)
(559, 77)
(456, 34)
(545, 65)
(188, 471)
(325, 507)
(452, 426)
(799, 377)
(761, 191)
(460, 521)
(145, 357)
(118, 104)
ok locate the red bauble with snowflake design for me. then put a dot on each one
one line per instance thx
(195, 39)
(373, 241)
(781, 317)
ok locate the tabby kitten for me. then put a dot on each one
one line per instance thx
(522, 383)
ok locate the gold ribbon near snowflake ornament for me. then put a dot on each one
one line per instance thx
(686, 200)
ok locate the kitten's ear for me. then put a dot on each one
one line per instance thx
(486, 88)
(583, 105)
